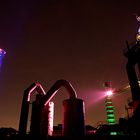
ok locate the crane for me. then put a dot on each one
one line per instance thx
(108, 102)
(123, 89)
(131, 105)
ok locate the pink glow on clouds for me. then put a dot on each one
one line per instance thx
(92, 96)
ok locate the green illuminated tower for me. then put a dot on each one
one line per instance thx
(109, 110)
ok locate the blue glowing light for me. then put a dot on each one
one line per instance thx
(2, 54)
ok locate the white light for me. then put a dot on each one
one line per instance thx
(109, 93)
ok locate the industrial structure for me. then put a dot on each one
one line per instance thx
(110, 116)
(133, 71)
(73, 117)
(42, 111)
(131, 125)
(110, 110)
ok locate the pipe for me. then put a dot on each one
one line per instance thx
(54, 89)
(25, 105)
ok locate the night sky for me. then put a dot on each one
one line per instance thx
(81, 41)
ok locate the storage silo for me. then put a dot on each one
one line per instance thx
(73, 117)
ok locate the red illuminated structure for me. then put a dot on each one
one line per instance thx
(25, 105)
(73, 111)
(73, 123)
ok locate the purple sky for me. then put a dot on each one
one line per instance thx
(81, 41)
